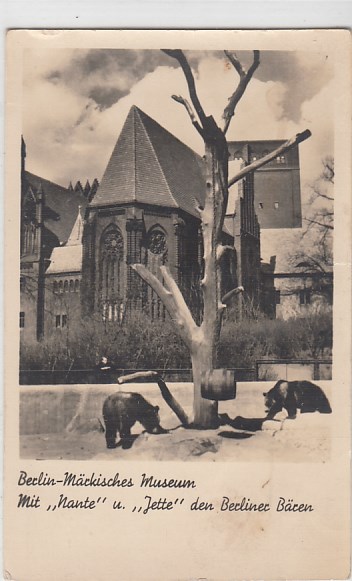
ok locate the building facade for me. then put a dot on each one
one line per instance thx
(302, 292)
(276, 185)
(48, 213)
(78, 243)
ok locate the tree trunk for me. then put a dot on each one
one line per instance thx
(203, 340)
(204, 351)
(205, 412)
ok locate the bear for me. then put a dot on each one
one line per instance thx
(122, 410)
(293, 395)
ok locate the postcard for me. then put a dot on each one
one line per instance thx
(177, 305)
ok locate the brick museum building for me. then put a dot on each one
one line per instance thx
(77, 242)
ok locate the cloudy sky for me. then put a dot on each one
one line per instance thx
(76, 101)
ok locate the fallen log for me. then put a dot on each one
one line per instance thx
(171, 402)
(150, 375)
(165, 392)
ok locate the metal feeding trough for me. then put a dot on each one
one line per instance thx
(218, 384)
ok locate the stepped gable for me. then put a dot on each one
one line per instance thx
(61, 205)
(151, 166)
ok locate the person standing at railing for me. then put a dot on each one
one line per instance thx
(105, 371)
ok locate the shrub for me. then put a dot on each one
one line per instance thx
(243, 342)
(140, 343)
(145, 344)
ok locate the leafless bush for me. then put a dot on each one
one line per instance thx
(147, 344)
(138, 343)
(243, 342)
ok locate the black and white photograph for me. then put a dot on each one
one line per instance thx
(177, 219)
(178, 211)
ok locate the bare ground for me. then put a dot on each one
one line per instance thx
(305, 439)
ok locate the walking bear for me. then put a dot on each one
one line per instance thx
(122, 410)
(293, 395)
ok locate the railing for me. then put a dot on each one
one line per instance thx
(85, 376)
(265, 370)
(291, 369)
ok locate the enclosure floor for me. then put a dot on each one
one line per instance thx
(305, 439)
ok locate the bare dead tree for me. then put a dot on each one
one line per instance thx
(317, 252)
(203, 339)
(322, 196)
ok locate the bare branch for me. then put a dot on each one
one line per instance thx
(178, 298)
(311, 263)
(180, 57)
(328, 173)
(235, 62)
(328, 226)
(172, 300)
(221, 249)
(235, 291)
(190, 112)
(318, 193)
(289, 144)
(198, 206)
(245, 77)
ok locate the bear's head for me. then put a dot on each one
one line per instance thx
(275, 397)
(269, 400)
(151, 420)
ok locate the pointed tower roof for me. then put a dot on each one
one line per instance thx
(86, 189)
(77, 231)
(93, 190)
(23, 147)
(151, 166)
(68, 258)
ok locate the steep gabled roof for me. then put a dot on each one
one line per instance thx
(75, 237)
(68, 258)
(65, 259)
(149, 165)
(61, 205)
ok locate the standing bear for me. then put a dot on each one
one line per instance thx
(293, 395)
(122, 410)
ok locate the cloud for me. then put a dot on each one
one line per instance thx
(302, 75)
(76, 101)
(105, 76)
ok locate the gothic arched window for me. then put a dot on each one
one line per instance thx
(110, 273)
(156, 255)
(156, 245)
